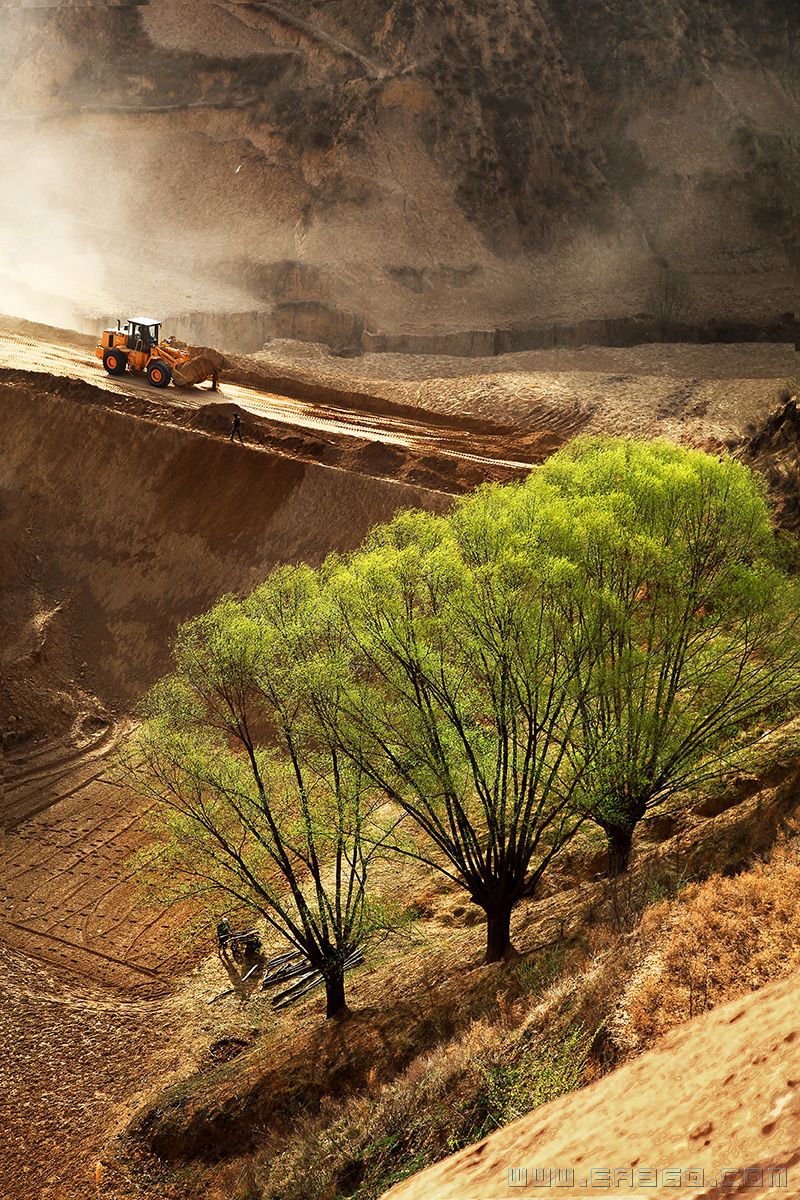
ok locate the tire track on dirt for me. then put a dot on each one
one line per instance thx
(70, 896)
(48, 935)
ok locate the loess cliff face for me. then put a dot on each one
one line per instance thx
(111, 534)
(408, 166)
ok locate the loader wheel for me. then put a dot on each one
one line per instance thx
(158, 373)
(114, 362)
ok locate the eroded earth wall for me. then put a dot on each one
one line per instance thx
(318, 170)
(114, 529)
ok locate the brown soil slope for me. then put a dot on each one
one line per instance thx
(124, 527)
(712, 1110)
(114, 529)
(115, 525)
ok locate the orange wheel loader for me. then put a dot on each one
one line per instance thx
(135, 346)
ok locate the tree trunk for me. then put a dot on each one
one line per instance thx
(620, 839)
(498, 932)
(335, 1005)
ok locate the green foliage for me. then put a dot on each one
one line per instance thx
(256, 808)
(666, 885)
(540, 1071)
(787, 552)
(594, 640)
(693, 623)
(462, 694)
(587, 644)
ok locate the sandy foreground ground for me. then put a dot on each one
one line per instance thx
(712, 1111)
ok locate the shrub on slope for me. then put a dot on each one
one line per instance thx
(722, 938)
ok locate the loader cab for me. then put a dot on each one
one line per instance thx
(143, 333)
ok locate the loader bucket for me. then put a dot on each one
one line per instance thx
(199, 367)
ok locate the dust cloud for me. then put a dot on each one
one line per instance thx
(91, 223)
(51, 268)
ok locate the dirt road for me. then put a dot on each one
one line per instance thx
(23, 352)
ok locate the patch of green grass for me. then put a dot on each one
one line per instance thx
(539, 1072)
(410, 1164)
(446, 1101)
(535, 975)
(667, 885)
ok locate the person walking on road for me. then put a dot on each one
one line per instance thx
(236, 428)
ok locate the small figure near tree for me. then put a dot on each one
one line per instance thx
(224, 935)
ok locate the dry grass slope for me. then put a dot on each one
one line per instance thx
(723, 938)
(501, 1042)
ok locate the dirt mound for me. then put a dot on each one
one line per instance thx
(712, 1110)
(69, 896)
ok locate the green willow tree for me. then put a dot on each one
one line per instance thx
(468, 689)
(255, 804)
(691, 625)
(461, 700)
